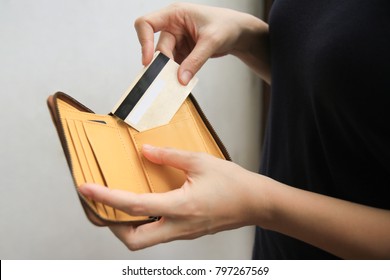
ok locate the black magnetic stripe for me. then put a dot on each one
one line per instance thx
(141, 86)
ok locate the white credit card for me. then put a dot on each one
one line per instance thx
(155, 96)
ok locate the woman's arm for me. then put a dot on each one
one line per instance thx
(220, 195)
(343, 228)
(191, 34)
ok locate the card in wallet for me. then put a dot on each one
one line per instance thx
(105, 150)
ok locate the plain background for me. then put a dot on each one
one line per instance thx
(89, 49)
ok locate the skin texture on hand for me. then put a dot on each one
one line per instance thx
(191, 34)
(210, 200)
(220, 195)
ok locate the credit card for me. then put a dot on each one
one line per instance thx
(154, 96)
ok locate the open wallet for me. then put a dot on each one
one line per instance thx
(105, 150)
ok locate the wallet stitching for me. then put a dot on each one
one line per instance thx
(122, 142)
(127, 155)
(198, 130)
(84, 114)
(140, 158)
(70, 141)
(96, 210)
(98, 124)
(146, 172)
(75, 173)
(161, 126)
(63, 122)
(129, 158)
(151, 184)
(138, 185)
(191, 117)
(145, 168)
(80, 173)
(96, 204)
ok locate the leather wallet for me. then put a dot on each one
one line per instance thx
(105, 150)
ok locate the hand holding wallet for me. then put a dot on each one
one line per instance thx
(105, 150)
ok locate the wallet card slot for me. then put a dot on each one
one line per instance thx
(114, 161)
(181, 134)
(112, 157)
(211, 140)
(138, 154)
(181, 114)
(85, 116)
(93, 168)
(90, 170)
(76, 166)
(134, 153)
(80, 147)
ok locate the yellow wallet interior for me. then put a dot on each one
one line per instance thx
(105, 150)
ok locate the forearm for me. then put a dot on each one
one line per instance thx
(345, 229)
(220, 195)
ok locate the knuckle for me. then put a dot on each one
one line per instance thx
(196, 61)
(131, 242)
(135, 207)
(132, 246)
(214, 37)
(193, 209)
(105, 199)
(163, 155)
(176, 6)
(195, 159)
(139, 22)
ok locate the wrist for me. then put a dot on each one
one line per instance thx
(259, 200)
(252, 46)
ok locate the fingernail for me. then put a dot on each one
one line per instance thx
(185, 77)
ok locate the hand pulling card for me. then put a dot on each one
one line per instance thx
(155, 96)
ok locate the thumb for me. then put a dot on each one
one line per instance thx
(183, 160)
(194, 61)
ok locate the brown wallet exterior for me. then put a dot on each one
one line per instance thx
(103, 149)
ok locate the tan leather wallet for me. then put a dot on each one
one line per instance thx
(105, 150)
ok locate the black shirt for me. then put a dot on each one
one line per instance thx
(328, 128)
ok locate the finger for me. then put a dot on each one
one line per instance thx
(145, 35)
(146, 26)
(147, 235)
(147, 204)
(162, 231)
(194, 61)
(183, 160)
(166, 44)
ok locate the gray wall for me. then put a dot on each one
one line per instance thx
(89, 50)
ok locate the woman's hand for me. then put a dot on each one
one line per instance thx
(191, 34)
(211, 199)
(219, 195)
